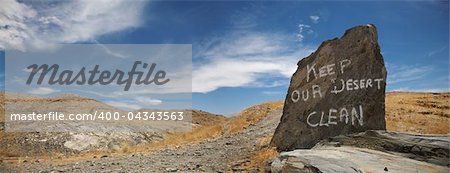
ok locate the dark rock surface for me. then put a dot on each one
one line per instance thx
(339, 89)
(371, 151)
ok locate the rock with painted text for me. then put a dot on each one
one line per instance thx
(338, 89)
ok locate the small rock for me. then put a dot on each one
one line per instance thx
(198, 153)
(171, 169)
(238, 169)
(276, 166)
(113, 146)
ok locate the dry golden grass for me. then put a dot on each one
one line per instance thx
(425, 113)
(258, 160)
(179, 139)
(203, 118)
(200, 133)
(220, 127)
(252, 115)
(8, 153)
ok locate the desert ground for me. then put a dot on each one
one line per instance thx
(216, 143)
(423, 113)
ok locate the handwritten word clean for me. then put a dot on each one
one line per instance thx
(331, 117)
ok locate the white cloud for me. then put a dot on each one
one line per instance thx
(43, 91)
(246, 60)
(314, 19)
(122, 105)
(148, 101)
(36, 24)
(302, 28)
(13, 31)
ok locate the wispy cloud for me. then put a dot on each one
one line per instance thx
(314, 19)
(245, 19)
(148, 101)
(437, 51)
(135, 103)
(35, 24)
(43, 91)
(123, 105)
(245, 59)
(273, 92)
(131, 101)
(407, 73)
(302, 29)
(111, 52)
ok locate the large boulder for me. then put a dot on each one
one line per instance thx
(338, 89)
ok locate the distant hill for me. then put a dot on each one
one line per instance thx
(120, 133)
(204, 118)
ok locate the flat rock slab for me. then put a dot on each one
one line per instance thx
(382, 152)
(339, 89)
(429, 148)
(350, 159)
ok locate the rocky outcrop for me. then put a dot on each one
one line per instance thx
(371, 151)
(339, 89)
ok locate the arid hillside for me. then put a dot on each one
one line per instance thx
(424, 113)
(239, 143)
(48, 144)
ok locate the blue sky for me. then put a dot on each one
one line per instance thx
(244, 52)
